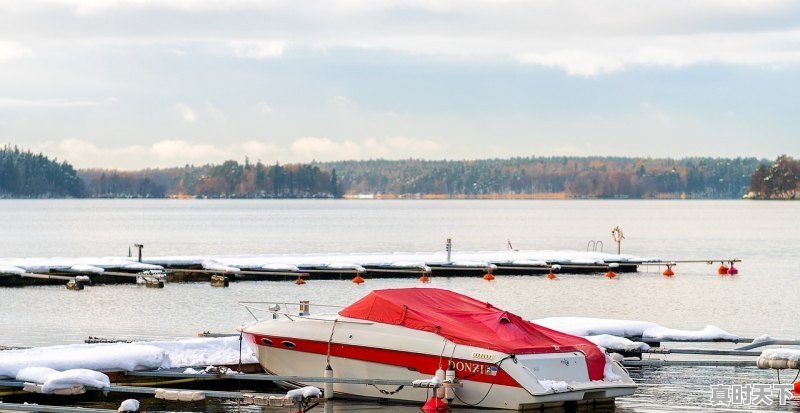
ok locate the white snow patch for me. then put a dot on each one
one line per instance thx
(554, 386)
(473, 258)
(69, 378)
(84, 268)
(763, 337)
(10, 269)
(788, 354)
(304, 392)
(280, 267)
(215, 266)
(610, 342)
(343, 266)
(128, 356)
(533, 263)
(203, 351)
(608, 372)
(581, 326)
(129, 405)
(35, 374)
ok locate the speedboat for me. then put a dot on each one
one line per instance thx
(498, 359)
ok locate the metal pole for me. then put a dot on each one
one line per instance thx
(139, 246)
(449, 249)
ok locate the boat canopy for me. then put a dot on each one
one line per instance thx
(467, 321)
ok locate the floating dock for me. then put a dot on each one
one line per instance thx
(220, 270)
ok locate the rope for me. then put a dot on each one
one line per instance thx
(386, 392)
(490, 386)
(330, 339)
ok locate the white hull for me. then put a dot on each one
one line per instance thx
(368, 350)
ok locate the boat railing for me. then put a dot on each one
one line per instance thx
(277, 308)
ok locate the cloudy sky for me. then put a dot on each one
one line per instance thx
(148, 83)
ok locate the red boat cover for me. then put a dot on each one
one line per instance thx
(467, 321)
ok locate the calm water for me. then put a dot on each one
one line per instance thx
(766, 235)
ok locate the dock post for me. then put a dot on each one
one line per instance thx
(449, 249)
(139, 246)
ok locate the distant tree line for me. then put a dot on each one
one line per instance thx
(592, 177)
(227, 180)
(24, 174)
(28, 175)
(780, 180)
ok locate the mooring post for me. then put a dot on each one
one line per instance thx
(139, 246)
(449, 249)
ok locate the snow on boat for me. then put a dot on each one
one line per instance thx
(500, 360)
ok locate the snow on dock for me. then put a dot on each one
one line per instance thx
(407, 259)
(605, 332)
(127, 356)
(510, 261)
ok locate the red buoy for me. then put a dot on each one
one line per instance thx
(796, 388)
(488, 276)
(722, 270)
(611, 274)
(425, 278)
(732, 270)
(358, 280)
(299, 281)
(668, 272)
(434, 405)
(551, 276)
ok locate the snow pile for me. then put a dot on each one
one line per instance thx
(610, 342)
(69, 378)
(53, 380)
(115, 356)
(779, 358)
(608, 372)
(215, 266)
(203, 351)
(581, 326)
(554, 386)
(280, 267)
(788, 354)
(10, 269)
(84, 268)
(127, 356)
(303, 392)
(35, 374)
(84, 264)
(129, 405)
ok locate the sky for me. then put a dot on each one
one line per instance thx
(133, 84)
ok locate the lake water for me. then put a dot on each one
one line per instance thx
(760, 300)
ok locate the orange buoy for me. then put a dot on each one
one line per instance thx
(796, 388)
(434, 404)
(358, 280)
(488, 276)
(668, 272)
(551, 276)
(611, 274)
(299, 281)
(425, 278)
(722, 270)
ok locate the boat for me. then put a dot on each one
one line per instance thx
(498, 359)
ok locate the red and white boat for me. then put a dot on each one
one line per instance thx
(500, 360)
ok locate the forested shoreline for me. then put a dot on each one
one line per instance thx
(24, 174)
